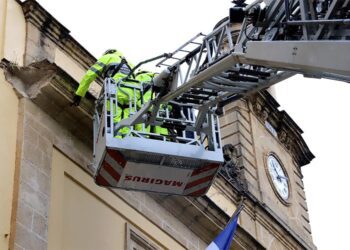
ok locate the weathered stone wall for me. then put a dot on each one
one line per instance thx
(241, 128)
(40, 135)
(236, 130)
(295, 212)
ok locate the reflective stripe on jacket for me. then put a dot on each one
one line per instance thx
(99, 68)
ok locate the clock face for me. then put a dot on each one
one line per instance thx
(278, 177)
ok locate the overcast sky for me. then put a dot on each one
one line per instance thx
(143, 29)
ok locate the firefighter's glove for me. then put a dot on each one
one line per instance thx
(76, 100)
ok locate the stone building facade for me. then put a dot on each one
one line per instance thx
(49, 199)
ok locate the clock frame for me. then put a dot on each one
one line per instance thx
(273, 185)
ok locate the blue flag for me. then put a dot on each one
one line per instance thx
(224, 239)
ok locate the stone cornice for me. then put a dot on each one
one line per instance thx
(265, 107)
(35, 14)
(52, 89)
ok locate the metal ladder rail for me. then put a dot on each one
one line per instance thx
(213, 37)
(202, 57)
(225, 88)
(206, 71)
(216, 54)
(224, 81)
(185, 48)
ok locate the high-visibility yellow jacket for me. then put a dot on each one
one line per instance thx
(99, 69)
(145, 77)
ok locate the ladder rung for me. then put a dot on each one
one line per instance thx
(196, 43)
(235, 76)
(197, 97)
(187, 51)
(239, 78)
(253, 72)
(203, 92)
(236, 85)
(187, 100)
(221, 87)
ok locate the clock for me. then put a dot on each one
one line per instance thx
(278, 177)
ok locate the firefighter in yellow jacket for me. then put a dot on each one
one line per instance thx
(146, 77)
(111, 59)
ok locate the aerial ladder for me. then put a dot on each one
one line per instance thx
(257, 46)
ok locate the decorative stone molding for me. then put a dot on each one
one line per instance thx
(233, 169)
(265, 107)
(32, 77)
(285, 139)
(51, 88)
(260, 111)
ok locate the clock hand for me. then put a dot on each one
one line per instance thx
(283, 177)
(279, 177)
(274, 168)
